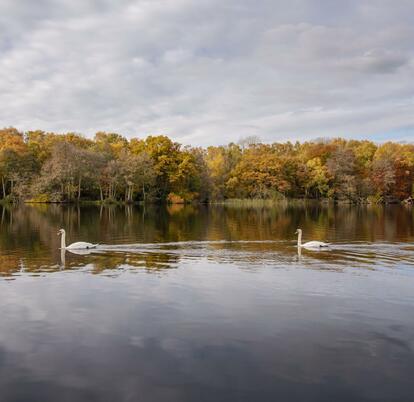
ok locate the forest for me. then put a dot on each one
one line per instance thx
(38, 166)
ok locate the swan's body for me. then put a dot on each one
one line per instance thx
(310, 244)
(80, 245)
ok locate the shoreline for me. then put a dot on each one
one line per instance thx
(228, 202)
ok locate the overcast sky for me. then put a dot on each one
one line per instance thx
(209, 71)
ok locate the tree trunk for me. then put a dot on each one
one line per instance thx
(79, 188)
(143, 192)
(130, 192)
(4, 187)
(100, 192)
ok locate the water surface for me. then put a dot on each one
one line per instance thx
(207, 304)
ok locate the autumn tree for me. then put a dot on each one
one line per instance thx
(138, 173)
(68, 167)
(165, 156)
(259, 173)
(110, 143)
(63, 172)
(341, 168)
(220, 162)
(13, 159)
(316, 182)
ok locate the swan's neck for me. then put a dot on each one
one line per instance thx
(63, 241)
(63, 257)
(299, 239)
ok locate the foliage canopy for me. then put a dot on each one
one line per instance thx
(45, 166)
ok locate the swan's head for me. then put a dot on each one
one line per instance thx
(60, 232)
(298, 231)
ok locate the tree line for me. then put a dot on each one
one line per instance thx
(49, 167)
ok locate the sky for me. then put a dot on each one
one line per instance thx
(207, 72)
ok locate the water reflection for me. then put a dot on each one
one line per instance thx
(193, 303)
(156, 237)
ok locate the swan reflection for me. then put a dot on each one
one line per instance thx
(80, 251)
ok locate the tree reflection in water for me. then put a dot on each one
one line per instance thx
(156, 237)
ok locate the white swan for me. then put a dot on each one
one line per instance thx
(80, 245)
(310, 244)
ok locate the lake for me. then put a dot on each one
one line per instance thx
(197, 303)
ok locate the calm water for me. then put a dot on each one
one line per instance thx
(207, 304)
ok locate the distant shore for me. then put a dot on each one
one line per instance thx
(229, 202)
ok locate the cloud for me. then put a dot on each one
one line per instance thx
(376, 61)
(208, 72)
